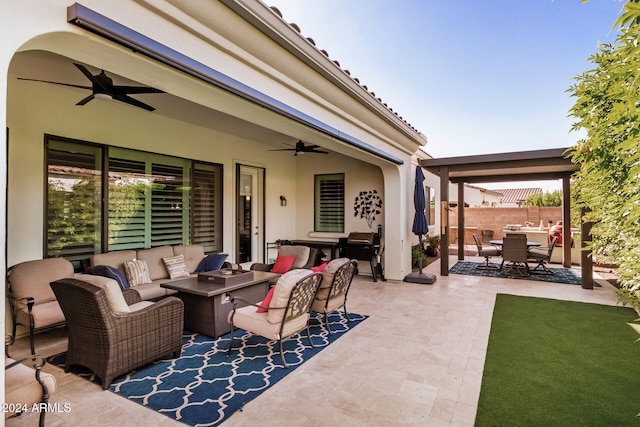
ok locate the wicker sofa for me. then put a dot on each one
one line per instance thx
(193, 255)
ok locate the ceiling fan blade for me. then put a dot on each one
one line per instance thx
(131, 101)
(56, 83)
(85, 100)
(318, 152)
(127, 90)
(90, 76)
(284, 149)
(310, 147)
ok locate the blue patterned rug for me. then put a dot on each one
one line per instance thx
(204, 386)
(569, 276)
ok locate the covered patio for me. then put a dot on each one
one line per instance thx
(537, 165)
(430, 360)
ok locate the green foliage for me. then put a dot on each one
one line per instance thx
(416, 253)
(547, 198)
(608, 183)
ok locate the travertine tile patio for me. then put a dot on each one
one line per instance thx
(417, 360)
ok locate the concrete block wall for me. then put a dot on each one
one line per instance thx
(497, 218)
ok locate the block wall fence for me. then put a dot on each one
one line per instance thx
(497, 218)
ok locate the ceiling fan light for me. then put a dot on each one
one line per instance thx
(103, 96)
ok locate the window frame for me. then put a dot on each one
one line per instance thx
(320, 204)
(160, 161)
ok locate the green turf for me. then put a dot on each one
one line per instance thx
(560, 363)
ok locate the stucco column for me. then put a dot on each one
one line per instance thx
(397, 228)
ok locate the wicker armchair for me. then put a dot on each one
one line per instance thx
(515, 255)
(114, 343)
(332, 294)
(286, 315)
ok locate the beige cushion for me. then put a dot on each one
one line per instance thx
(327, 277)
(281, 293)
(151, 291)
(301, 253)
(248, 319)
(176, 267)
(21, 387)
(112, 290)
(333, 304)
(154, 257)
(32, 278)
(45, 314)
(137, 272)
(140, 305)
(193, 255)
(115, 259)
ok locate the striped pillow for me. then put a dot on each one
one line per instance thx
(137, 272)
(176, 267)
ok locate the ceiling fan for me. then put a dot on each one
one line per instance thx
(300, 149)
(102, 87)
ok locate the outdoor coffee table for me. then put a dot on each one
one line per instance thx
(207, 304)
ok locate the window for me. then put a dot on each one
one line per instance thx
(329, 203)
(152, 200)
(74, 202)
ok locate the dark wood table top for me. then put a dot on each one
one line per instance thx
(501, 242)
(209, 289)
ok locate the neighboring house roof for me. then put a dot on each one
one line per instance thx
(517, 195)
(484, 190)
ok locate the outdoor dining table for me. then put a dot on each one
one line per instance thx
(529, 243)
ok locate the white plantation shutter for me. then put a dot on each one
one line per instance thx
(329, 203)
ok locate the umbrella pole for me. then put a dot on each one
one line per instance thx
(420, 256)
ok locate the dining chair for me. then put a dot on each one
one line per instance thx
(487, 251)
(515, 255)
(542, 257)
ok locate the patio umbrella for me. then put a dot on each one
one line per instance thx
(420, 226)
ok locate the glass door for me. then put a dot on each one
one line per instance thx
(249, 215)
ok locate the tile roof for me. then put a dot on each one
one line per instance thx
(517, 195)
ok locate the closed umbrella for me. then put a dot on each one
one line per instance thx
(419, 227)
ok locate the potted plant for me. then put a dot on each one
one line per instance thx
(432, 245)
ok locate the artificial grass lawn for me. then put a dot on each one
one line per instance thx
(560, 363)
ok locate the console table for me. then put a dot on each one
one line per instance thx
(319, 244)
(207, 305)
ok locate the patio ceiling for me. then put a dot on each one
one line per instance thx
(537, 165)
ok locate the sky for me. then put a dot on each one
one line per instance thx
(475, 77)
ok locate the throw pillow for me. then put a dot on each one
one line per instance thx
(211, 262)
(111, 273)
(283, 264)
(320, 268)
(266, 301)
(176, 267)
(137, 272)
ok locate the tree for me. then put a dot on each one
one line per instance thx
(608, 183)
(553, 198)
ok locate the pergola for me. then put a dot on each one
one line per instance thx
(538, 165)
